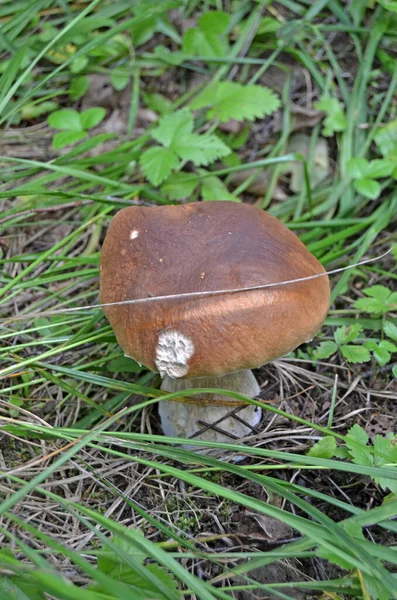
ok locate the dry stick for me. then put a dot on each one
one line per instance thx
(195, 294)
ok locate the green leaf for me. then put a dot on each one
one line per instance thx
(214, 22)
(175, 131)
(356, 442)
(200, 149)
(387, 345)
(379, 168)
(386, 138)
(335, 120)
(381, 292)
(157, 102)
(79, 64)
(325, 350)
(382, 356)
(358, 433)
(394, 371)
(389, 5)
(124, 364)
(325, 448)
(157, 163)
(66, 118)
(230, 100)
(385, 445)
(390, 330)
(119, 80)
(379, 300)
(64, 138)
(357, 168)
(79, 87)
(208, 39)
(214, 189)
(92, 116)
(179, 186)
(355, 354)
(173, 127)
(347, 334)
(368, 188)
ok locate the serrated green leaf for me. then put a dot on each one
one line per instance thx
(325, 448)
(179, 186)
(381, 292)
(389, 5)
(208, 39)
(176, 132)
(157, 102)
(230, 100)
(390, 330)
(355, 354)
(92, 116)
(325, 350)
(385, 445)
(379, 168)
(371, 345)
(202, 150)
(387, 345)
(357, 167)
(347, 334)
(368, 188)
(64, 138)
(168, 580)
(172, 127)
(382, 356)
(335, 120)
(379, 300)
(386, 138)
(214, 189)
(157, 163)
(66, 118)
(359, 434)
(356, 442)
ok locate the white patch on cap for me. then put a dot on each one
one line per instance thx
(134, 234)
(172, 353)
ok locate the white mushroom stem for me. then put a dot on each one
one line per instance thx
(189, 416)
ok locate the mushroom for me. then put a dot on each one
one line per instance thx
(213, 340)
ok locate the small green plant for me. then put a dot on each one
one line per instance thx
(379, 301)
(366, 173)
(209, 38)
(179, 145)
(230, 100)
(111, 564)
(382, 453)
(335, 120)
(343, 341)
(74, 125)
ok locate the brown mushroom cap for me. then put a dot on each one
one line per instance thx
(206, 246)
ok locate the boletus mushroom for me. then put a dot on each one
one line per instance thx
(209, 341)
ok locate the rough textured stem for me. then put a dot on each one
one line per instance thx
(185, 419)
